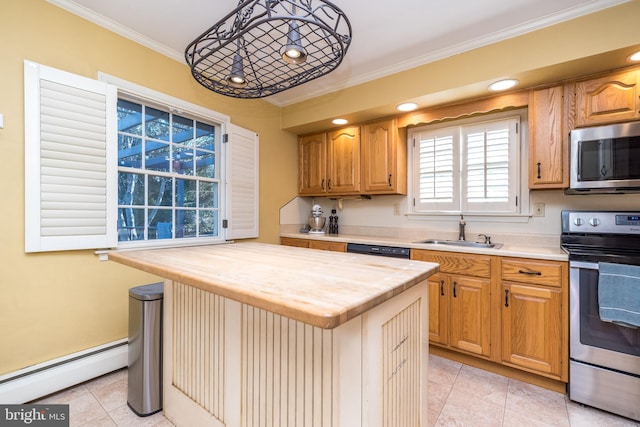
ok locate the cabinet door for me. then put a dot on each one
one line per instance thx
(469, 314)
(327, 245)
(312, 164)
(383, 169)
(289, 241)
(613, 98)
(344, 161)
(438, 308)
(548, 144)
(532, 328)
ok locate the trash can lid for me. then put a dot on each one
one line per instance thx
(148, 292)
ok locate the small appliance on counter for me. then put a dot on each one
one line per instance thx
(316, 220)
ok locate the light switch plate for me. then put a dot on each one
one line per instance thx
(1, 121)
(538, 209)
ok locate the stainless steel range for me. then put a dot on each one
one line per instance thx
(604, 366)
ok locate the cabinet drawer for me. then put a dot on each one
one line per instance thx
(467, 264)
(547, 273)
(328, 246)
(289, 241)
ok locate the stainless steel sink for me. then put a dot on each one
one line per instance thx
(463, 243)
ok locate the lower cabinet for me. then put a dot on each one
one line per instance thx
(314, 244)
(512, 311)
(534, 316)
(300, 243)
(459, 305)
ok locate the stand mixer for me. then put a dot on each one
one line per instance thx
(316, 220)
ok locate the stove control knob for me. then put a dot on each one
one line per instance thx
(594, 222)
(578, 221)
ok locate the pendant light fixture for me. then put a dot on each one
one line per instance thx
(293, 52)
(237, 78)
(263, 47)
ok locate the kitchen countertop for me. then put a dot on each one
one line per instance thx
(321, 288)
(520, 248)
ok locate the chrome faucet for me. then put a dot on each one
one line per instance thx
(487, 239)
(462, 224)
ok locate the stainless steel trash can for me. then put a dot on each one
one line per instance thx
(144, 394)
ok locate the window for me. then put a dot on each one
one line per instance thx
(469, 167)
(109, 164)
(168, 179)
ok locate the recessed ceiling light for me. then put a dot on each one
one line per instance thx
(634, 57)
(339, 121)
(503, 84)
(407, 106)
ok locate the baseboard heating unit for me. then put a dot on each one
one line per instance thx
(40, 380)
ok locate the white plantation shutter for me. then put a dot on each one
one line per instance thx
(242, 183)
(491, 166)
(437, 169)
(470, 168)
(70, 184)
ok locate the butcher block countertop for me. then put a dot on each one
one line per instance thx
(321, 288)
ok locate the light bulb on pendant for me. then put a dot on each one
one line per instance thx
(237, 78)
(293, 52)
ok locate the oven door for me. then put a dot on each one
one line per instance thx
(593, 341)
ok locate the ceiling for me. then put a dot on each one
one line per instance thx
(388, 37)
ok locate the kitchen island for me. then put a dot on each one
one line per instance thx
(258, 334)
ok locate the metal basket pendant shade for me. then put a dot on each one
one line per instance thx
(267, 46)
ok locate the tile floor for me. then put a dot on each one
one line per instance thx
(459, 395)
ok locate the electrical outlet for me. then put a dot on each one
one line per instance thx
(538, 209)
(396, 208)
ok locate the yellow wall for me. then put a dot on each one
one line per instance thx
(54, 304)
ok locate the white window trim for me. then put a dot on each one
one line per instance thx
(240, 210)
(522, 215)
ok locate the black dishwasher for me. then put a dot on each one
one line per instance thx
(388, 251)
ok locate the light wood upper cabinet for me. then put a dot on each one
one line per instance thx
(608, 99)
(535, 316)
(329, 163)
(383, 159)
(548, 139)
(312, 164)
(343, 167)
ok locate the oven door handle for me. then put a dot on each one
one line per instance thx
(584, 264)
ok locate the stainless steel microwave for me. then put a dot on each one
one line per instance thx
(605, 159)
